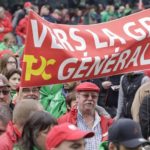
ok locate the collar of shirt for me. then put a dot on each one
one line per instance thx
(96, 120)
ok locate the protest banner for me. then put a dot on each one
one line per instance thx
(57, 53)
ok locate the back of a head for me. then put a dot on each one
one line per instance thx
(23, 109)
(37, 122)
(126, 132)
(40, 120)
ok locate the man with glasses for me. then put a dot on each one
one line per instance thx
(29, 93)
(85, 115)
(4, 90)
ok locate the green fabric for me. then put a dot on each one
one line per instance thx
(12, 93)
(14, 48)
(53, 100)
(21, 49)
(107, 16)
(17, 148)
(127, 11)
(86, 19)
(34, 148)
(103, 146)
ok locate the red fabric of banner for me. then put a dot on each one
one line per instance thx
(57, 53)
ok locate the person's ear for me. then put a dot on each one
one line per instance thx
(111, 146)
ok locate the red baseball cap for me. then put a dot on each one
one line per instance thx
(87, 86)
(65, 132)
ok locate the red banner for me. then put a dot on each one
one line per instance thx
(57, 53)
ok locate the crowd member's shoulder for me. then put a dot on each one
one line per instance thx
(4, 142)
(101, 111)
(106, 120)
(70, 116)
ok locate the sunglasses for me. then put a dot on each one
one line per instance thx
(5, 92)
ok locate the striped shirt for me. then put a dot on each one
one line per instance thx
(94, 142)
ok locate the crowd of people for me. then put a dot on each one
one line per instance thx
(109, 113)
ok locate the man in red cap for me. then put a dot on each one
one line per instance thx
(85, 115)
(66, 137)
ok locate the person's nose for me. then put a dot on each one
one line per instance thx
(13, 64)
(31, 92)
(90, 97)
(17, 82)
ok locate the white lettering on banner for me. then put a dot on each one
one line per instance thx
(134, 57)
(140, 31)
(38, 40)
(57, 53)
(77, 39)
(98, 65)
(55, 42)
(110, 61)
(143, 61)
(122, 59)
(62, 37)
(144, 21)
(61, 40)
(112, 37)
(82, 67)
(97, 42)
(70, 70)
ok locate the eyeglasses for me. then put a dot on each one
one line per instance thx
(4, 92)
(11, 62)
(28, 90)
(86, 95)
